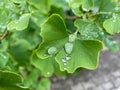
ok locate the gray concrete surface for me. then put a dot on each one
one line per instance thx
(105, 77)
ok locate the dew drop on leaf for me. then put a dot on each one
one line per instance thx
(72, 38)
(63, 60)
(67, 58)
(65, 63)
(68, 48)
(52, 50)
(65, 68)
(48, 73)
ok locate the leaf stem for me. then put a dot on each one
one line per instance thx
(4, 35)
(72, 17)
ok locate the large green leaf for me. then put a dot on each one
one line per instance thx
(84, 54)
(112, 25)
(54, 34)
(9, 81)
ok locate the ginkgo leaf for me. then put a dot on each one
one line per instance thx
(112, 25)
(53, 33)
(84, 55)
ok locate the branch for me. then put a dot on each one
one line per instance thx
(4, 35)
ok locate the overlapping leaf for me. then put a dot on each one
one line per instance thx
(112, 25)
(47, 66)
(54, 34)
(9, 81)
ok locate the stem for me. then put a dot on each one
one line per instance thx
(4, 35)
(72, 17)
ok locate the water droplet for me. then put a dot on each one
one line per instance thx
(68, 48)
(114, 20)
(117, 8)
(65, 68)
(48, 73)
(52, 50)
(4, 57)
(63, 60)
(84, 9)
(65, 63)
(67, 58)
(72, 38)
(114, 16)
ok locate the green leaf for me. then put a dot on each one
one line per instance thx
(23, 22)
(4, 17)
(38, 18)
(106, 5)
(32, 78)
(75, 6)
(44, 84)
(84, 54)
(9, 78)
(20, 51)
(11, 25)
(47, 66)
(88, 30)
(56, 10)
(53, 33)
(9, 81)
(87, 5)
(111, 45)
(75, 3)
(112, 25)
(4, 56)
(42, 5)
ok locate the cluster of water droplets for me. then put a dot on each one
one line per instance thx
(68, 49)
(65, 61)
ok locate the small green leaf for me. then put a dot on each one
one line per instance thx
(45, 66)
(88, 30)
(75, 3)
(10, 81)
(11, 25)
(112, 25)
(23, 22)
(84, 55)
(53, 33)
(9, 78)
(44, 84)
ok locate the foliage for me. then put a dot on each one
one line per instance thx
(41, 38)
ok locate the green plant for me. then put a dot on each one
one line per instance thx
(40, 38)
